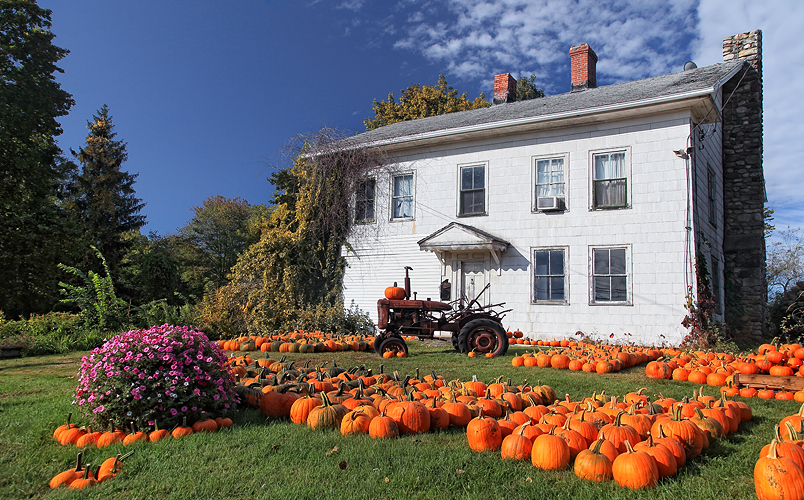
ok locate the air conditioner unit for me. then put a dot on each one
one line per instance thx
(549, 203)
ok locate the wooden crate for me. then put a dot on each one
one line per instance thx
(770, 381)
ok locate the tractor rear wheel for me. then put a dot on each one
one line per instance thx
(483, 336)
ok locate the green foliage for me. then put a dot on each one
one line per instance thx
(526, 89)
(101, 196)
(34, 232)
(95, 297)
(767, 217)
(219, 231)
(704, 332)
(161, 312)
(51, 333)
(331, 319)
(421, 101)
(151, 270)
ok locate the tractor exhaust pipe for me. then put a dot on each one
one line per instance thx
(407, 282)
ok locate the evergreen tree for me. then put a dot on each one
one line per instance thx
(102, 196)
(34, 234)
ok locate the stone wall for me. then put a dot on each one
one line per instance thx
(744, 188)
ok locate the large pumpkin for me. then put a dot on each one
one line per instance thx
(484, 434)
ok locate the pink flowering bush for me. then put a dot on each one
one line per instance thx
(161, 374)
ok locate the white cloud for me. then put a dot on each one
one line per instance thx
(632, 39)
(781, 25)
(353, 5)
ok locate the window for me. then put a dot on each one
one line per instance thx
(473, 190)
(549, 275)
(609, 275)
(609, 180)
(710, 191)
(402, 199)
(364, 201)
(550, 185)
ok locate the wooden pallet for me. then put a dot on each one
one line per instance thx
(770, 381)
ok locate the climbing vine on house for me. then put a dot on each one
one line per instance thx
(297, 264)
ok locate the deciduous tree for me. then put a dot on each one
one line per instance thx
(526, 88)
(219, 231)
(421, 101)
(34, 235)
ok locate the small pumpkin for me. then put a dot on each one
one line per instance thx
(70, 475)
(182, 430)
(382, 427)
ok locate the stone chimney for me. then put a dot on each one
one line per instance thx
(583, 62)
(744, 189)
(504, 88)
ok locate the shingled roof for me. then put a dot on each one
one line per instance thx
(689, 83)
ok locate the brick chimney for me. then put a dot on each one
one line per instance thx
(583, 62)
(504, 88)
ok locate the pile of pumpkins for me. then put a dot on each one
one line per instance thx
(299, 341)
(635, 441)
(592, 358)
(632, 439)
(717, 369)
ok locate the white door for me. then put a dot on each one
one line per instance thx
(473, 279)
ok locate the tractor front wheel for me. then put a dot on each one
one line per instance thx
(393, 344)
(483, 336)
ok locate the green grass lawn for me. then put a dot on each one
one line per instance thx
(262, 458)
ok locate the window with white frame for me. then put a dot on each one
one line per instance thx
(549, 275)
(609, 180)
(364, 201)
(550, 184)
(402, 197)
(711, 192)
(609, 275)
(472, 190)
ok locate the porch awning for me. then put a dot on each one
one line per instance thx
(460, 237)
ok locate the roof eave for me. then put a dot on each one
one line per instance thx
(446, 134)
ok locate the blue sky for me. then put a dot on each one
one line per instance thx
(207, 93)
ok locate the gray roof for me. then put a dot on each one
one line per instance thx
(683, 82)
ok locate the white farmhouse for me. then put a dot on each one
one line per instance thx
(584, 211)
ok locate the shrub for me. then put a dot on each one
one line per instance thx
(51, 333)
(160, 374)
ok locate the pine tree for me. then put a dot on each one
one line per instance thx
(102, 196)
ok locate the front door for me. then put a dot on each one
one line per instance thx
(473, 279)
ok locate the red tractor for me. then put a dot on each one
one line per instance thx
(474, 327)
